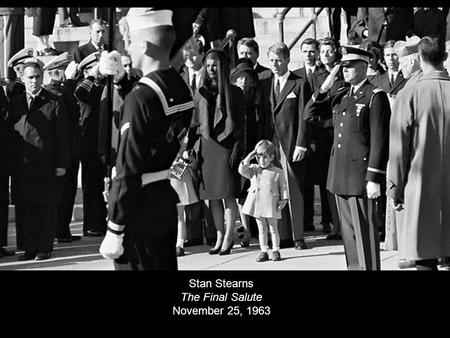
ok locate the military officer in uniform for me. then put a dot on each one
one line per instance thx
(142, 227)
(64, 85)
(16, 62)
(88, 93)
(359, 155)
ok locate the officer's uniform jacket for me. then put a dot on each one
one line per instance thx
(66, 90)
(361, 138)
(88, 93)
(156, 117)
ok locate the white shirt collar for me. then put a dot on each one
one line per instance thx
(356, 87)
(282, 79)
(395, 74)
(307, 67)
(34, 95)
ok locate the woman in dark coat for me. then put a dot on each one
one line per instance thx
(245, 77)
(217, 120)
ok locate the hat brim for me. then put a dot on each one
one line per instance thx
(350, 63)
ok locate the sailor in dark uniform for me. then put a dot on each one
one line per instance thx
(16, 62)
(64, 87)
(142, 227)
(359, 155)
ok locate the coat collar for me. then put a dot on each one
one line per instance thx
(290, 83)
(360, 93)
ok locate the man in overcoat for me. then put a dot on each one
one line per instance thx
(419, 163)
(42, 144)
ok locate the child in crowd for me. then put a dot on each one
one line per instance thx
(266, 197)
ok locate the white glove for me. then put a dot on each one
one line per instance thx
(373, 190)
(111, 64)
(111, 247)
(71, 70)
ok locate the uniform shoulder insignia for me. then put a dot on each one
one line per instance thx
(377, 90)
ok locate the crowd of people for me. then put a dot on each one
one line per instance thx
(248, 142)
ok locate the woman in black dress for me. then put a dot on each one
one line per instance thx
(218, 120)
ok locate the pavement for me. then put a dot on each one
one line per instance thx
(83, 255)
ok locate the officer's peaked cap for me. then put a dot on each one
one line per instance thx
(20, 57)
(89, 60)
(58, 62)
(354, 53)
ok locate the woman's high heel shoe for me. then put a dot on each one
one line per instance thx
(227, 251)
(214, 251)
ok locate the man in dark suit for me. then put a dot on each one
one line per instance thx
(310, 52)
(96, 42)
(359, 155)
(42, 144)
(286, 96)
(381, 24)
(393, 80)
(249, 48)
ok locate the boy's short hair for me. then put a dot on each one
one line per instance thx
(265, 146)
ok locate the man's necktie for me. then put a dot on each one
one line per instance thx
(194, 83)
(392, 80)
(277, 89)
(351, 91)
(308, 76)
(30, 102)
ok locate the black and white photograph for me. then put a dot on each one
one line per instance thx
(228, 151)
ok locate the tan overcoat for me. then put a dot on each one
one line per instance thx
(419, 166)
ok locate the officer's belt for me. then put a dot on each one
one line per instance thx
(148, 178)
